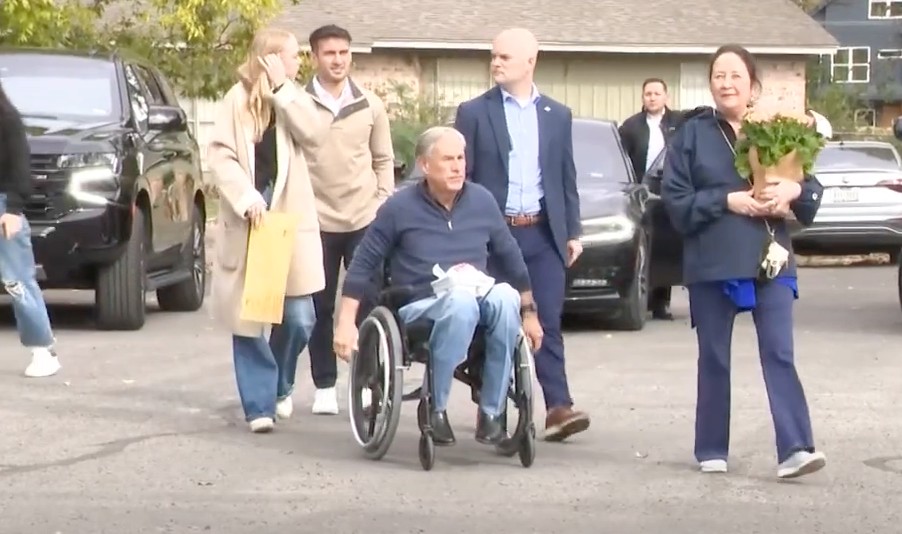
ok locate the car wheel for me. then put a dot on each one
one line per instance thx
(634, 310)
(119, 299)
(188, 296)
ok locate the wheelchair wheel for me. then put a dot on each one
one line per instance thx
(522, 441)
(427, 452)
(376, 368)
(527, 449)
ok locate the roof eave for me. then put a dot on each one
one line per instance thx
(798, 50)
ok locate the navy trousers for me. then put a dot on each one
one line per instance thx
(549, 279)
(713, 314)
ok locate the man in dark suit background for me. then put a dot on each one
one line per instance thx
(644, 136)
(520, 147)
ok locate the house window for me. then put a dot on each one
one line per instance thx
(889, 54)
(865, 118)
(885, 9)
(852, 65)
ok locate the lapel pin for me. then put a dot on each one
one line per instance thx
(547, 108)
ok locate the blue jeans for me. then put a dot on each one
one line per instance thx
(265, 369)
(456, 314)
(17, 271)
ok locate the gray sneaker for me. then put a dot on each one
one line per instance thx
(801, 463)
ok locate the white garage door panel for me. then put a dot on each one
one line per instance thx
(694, 89)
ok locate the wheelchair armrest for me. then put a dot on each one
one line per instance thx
(396, 297)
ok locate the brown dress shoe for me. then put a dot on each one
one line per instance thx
(563, 421)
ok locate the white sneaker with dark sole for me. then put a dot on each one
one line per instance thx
(801, 463)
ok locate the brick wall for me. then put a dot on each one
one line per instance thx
(375, 71)
(783, 85)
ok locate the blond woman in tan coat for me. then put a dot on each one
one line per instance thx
(258, 166)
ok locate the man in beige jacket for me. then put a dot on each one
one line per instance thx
(352, 172)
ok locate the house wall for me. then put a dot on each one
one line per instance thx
(600, 85)
(849, 22)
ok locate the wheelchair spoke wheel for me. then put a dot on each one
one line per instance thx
(376, 383)
(520, 398)
(527, 450)
(427, 452)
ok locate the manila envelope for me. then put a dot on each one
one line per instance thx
(269, 251)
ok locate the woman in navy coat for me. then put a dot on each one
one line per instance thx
(725, 230)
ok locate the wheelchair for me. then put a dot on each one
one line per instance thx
(387, 347)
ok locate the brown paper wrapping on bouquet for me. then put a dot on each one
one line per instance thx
(789, 167)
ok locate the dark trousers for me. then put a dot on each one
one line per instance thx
(713, 314)
(549, 279)
(338, 249)
(659, 298)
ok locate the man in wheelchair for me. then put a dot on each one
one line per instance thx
(444, 220)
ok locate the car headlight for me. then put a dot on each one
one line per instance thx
(94, 177)
(90, 159)
(612, 229)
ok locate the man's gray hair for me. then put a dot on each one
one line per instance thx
(427, 140)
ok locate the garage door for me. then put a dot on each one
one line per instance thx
(694, 89)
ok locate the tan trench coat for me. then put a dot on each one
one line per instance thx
(230, 156)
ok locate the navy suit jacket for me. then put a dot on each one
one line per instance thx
(482, 122)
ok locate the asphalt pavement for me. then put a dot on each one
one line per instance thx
(141, 432)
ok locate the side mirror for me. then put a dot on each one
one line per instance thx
(897, 128)
(166, 119)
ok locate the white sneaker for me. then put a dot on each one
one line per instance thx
(325, 402)
(284, 408)
(801, 463)
(713, 466)
(43, 363)
(262, 425)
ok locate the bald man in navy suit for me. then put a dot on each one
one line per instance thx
(520, 147)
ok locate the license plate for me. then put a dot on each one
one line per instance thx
(844, 195)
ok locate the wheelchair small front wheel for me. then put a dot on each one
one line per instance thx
(527, 449)
(427, 451)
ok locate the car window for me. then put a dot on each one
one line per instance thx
(153, 89)
(63, 87)
(597, 154)
(833, 158)
(137, 96)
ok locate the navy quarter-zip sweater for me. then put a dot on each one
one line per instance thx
(414, 232)
(699, 173)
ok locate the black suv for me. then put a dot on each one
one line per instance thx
(118, 201)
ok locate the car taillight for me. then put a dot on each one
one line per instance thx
(895, 185)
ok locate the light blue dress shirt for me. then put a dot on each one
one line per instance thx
(525, 190)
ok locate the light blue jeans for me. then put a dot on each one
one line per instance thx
(456, 314)
(17, 271)
(264, 369)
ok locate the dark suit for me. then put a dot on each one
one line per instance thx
(544, 245)
(634, 134)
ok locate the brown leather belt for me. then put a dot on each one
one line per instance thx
(524, 220)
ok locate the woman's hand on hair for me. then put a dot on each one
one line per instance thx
(275, 69)
(743, 203)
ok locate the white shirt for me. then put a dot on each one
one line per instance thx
(334, 104)
(655, 139)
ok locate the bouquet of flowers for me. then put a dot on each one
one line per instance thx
(775, 148)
